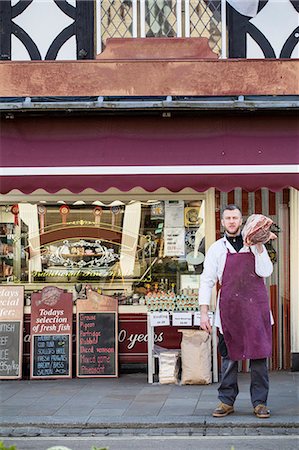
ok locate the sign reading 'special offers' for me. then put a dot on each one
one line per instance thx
(51, 330)
(11, 331)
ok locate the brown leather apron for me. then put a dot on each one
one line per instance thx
(244, 309)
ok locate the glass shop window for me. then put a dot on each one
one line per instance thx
(13, 242)
(135, 250)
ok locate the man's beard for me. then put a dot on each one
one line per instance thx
(234, 232)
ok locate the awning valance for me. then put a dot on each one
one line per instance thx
(77, 153)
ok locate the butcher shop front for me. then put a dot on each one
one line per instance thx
(112, 186)
(127, 223)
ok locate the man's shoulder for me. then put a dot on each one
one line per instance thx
(217, 245)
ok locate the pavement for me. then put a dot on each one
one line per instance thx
(104, 405)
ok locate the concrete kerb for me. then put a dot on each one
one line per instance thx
(146, 424)
(161, 431)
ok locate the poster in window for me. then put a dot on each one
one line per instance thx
(174, 214)
(174, 242)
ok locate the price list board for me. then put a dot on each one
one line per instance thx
(51, 356)
(97, 337)
(51, 331)
(11, 331)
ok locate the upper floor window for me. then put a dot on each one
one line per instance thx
(159, 18)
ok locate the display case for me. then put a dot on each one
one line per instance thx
(129, 249)
(13, 257)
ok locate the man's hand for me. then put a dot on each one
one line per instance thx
(204, 319)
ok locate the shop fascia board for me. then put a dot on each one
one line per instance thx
(150, 77)
(240, 103)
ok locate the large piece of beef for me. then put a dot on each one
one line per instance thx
(257, 230)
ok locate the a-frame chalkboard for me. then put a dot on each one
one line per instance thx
(11, 331)
(97, 336)
(51, 334)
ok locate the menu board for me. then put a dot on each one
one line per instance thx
(11, 331)
(51, 355)
(97, 336)
(51, 331)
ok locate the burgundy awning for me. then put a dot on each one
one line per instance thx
(76, 153)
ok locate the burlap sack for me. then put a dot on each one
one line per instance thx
(196, 357)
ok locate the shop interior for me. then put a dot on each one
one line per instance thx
(147, 252)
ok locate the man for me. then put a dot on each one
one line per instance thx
(242, 314)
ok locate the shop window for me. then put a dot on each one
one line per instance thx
(126, 249)
(13, 242)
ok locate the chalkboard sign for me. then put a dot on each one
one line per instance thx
(11, 331)
(97, 342)
(10, 350)
(51, 355)
(51, 331)
(97, 352)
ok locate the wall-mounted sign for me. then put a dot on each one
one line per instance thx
(51, 330)
(11, 331)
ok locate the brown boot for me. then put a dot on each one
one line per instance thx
(262, 412)
(223, 410)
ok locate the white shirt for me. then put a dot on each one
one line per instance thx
(214, 267)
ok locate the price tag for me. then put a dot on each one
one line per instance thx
(182, 319)
(158, 319)
(197, 318)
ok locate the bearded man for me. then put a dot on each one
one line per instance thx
(242, 315)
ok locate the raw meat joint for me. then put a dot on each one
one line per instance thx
(257, 230)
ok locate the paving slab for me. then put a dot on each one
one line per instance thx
(128, 403)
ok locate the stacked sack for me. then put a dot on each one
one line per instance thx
(168, 365)
(196, 357)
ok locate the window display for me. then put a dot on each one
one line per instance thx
(124, 248)
(13, 258)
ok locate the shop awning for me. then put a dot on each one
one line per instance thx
(100, 152)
